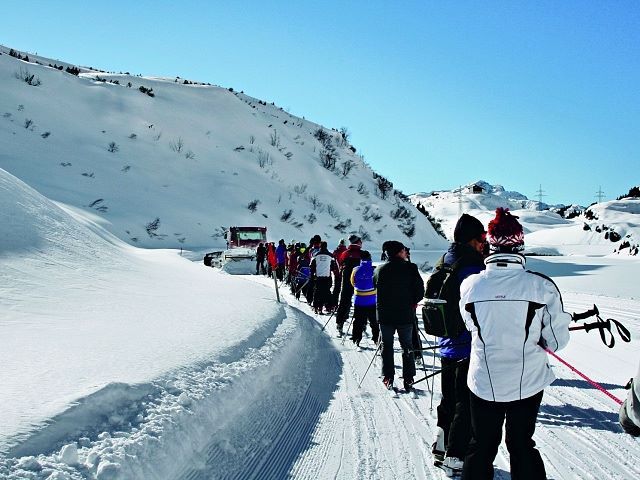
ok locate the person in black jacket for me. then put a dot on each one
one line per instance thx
(400, 287)
(349, 259)
(465, 256)
(261, 253)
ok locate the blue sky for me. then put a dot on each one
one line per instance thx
(435, 94)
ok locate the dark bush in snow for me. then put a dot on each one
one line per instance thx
(253, 205)
(384, 185)
(286, 215)
(589, 215)
(148, 91)
(152, 227)
(27, 77)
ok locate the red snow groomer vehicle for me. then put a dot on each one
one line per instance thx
(240, 255)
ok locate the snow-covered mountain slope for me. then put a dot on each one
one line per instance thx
(585, 231)
(175, 168)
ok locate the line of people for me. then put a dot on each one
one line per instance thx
(384, 298)
(493, 373)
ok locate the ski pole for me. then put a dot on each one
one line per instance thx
(328, 320)
(348, 328)
(589, 313)
(435, 347)
(438, 372)
(605, 325)
(301, 287)
(420, 348)
(433, 382)
(375, 354)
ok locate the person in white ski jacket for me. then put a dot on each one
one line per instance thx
(513, 316)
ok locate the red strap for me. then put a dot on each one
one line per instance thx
(591, 382)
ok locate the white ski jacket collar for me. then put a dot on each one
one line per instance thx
(512, 314)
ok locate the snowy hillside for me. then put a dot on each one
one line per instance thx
(169, 163)
(583, 231)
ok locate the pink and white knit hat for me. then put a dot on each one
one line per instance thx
(505, 233)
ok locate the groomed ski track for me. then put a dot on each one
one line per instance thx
(366, 434)
(285, 403)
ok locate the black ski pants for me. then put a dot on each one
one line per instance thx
(260, 266)
(322, 292)
(486, 424)
(360, 317)
(280, 271)
(408, 362)
(454, 416)
(344, 307)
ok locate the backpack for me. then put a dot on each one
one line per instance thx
(440, 313)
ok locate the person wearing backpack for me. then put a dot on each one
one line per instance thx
(514, 316)
(399, 289)
(464, 258)
(364, 304)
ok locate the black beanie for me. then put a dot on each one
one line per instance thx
(467, 228)
(392, 247)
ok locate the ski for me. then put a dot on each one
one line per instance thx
(456, 474)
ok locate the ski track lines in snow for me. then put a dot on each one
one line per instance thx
(285, 403)
(263, 439)
(248, 415)
(364, 433)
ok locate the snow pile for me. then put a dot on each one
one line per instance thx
(85, 318)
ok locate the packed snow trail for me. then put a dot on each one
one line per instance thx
(284, 402)
(367, 434)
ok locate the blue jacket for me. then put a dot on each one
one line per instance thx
(472, 263)
(281, 254)
(362, 281)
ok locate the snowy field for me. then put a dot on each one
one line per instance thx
(127, 363)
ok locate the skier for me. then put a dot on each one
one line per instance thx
(513, 315)
(399, 289)
(322, 266)
(261, 253)
(454, 424)
(292, 265)
(303, 276)
(281, 259)
(272, 263)
(340, 249)
(364, 304)
(349, 259)
(337, 254)
(630, 409)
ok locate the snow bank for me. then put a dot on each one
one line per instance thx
(88, 320)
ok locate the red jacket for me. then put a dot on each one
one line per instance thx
(271, 256)
(337, 253)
